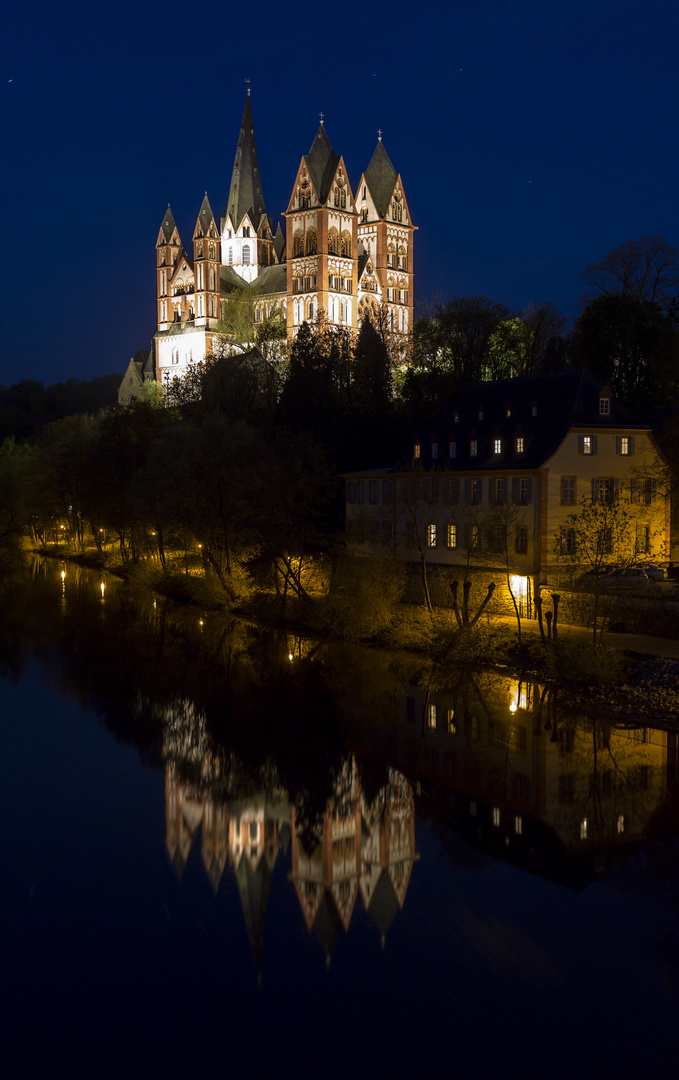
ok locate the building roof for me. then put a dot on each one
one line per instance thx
(279, 244)
(245, 193)
(167, 228)
(381, 177)
(322, 162)
(504, 410)
(205, 215)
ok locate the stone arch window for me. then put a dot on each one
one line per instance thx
(192, 311)
(402, 257)
(297, 243)
(311, 312)
(311, 245)
(364, 215)
(211, 278)
(397, 208)
(304, 194)
(211, 251)
(199, 251)
(345, 244)
(333, 241)
(163, 311)
(295, 312)
(391, 255)
(246, 254)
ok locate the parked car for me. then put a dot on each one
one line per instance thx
(673, 571)
(655, 573)
(631, 575)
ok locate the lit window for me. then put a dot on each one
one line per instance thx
(451, 536)
(431, 535)
(625, 447)
(604, 406)
(587, 444)
(497, 446)
(519, 444)
(621, 823)
(416, 450)
(473, 447)
(518, 824)
(496, 816)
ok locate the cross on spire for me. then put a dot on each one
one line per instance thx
(322, 114)
(379, 134)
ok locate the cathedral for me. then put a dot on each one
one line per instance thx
(345, 253)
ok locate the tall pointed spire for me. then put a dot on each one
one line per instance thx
(245, 193)
(381, 176)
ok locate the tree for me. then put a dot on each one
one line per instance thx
(524, 344)
(632, 346)
(600, 532)
(643, 270)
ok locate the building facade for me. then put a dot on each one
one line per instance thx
(344, 253)
(499, 476)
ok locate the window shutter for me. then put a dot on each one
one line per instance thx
(595, 444)
(455, 490)
(653, 490)
(634, 491)
(466, 489)
(491, 492)
(514, 490)
(529, 495)
(618, 444)
(581, 444)
(631, 444)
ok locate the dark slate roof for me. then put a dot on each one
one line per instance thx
(205, 215)
(245, 193)
(362, 263)
(272, 279)
(322, 162)
(381, 177)
(168, 226)
(279, 243)
(565, 400)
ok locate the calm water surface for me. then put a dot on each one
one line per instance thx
(230, 850)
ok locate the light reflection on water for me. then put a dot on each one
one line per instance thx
(323, 845)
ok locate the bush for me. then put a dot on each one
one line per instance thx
(571, 661)
(363, 599)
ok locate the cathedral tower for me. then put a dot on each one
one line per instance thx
(206, 263)
(247, 242)
(385, 236)
(168, 251)
(322, 259)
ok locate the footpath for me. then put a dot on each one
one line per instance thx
(639, 643)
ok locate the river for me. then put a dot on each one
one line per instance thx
(229, 849)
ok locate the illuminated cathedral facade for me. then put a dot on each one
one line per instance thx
(345, 253)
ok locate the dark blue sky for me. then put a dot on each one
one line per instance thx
(532, 137)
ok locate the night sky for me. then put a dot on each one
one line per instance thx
(532, 137)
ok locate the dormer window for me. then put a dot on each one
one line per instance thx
(497, 446)
(434, 451)
(452, 449)
(604, 406)
(519, 444)
(416, 451)
(480, 412)
(473, 447)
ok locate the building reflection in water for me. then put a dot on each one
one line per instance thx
(360, 845)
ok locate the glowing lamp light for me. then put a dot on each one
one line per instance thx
(290, 657)
(63, 574)
(514, 705)
(103, 589)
